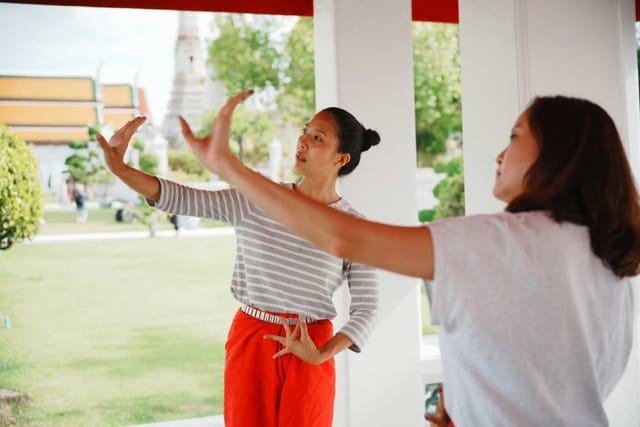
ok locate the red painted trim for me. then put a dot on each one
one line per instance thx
(422, 10)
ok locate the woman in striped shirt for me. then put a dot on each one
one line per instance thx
(284, 284)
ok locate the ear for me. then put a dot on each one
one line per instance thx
(344, 159)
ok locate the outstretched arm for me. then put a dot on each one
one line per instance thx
(114, 149)
(404, 250)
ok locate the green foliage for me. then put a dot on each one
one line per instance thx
(20, 192)
(449, 191)
(149, 163)
(438, 91)
(453, 166)
(186, 163)
(85, 165)
(298, 97)
(243, 55)
(256, 128)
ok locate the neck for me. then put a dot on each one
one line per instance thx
(321, 190)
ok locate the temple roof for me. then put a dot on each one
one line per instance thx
(56, 110)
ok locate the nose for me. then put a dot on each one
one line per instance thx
(302, 141)
(500, 156)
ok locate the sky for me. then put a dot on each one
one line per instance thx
(63, 40)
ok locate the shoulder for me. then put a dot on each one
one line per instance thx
(507, 222)
(534, 231)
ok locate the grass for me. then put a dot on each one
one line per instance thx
(117, 332)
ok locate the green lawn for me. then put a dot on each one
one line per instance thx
(117, 332)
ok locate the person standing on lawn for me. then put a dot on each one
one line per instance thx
(279, 279)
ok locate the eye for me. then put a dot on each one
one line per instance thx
(512, 136)
(304, 130)
(317, 138)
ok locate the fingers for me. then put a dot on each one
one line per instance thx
(186, 129)
(281, 353)
(102, 141)
(124, 134)
(304, 332)
(236, 99)
(287, 329)
(280, 339)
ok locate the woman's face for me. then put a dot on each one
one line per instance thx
(317, 148)
(515, 160)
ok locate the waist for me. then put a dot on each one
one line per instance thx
(269, 317)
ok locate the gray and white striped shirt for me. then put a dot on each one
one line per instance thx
(276, 270)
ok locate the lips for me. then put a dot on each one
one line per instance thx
(300, 158)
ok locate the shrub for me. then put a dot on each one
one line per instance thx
(20, 191)
(449, 191)
(186, 162)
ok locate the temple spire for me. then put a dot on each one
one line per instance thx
(188, 92)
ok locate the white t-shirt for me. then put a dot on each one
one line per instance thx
(534, 329)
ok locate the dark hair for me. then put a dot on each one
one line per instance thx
(353, 138)
(582, 176)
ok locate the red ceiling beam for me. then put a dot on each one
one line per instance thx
(423, 10)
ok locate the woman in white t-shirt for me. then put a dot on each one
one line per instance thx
(534, 305)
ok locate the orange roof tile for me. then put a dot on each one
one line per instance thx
(117, 120)
(47, 88)
(56, 115)
(63, 136)
(117, 96)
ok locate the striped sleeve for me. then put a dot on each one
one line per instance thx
(363, 286)
(224, 205)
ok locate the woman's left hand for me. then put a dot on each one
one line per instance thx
(297, 342)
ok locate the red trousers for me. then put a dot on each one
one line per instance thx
(260, 391)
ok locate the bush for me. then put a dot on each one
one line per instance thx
(149, 163)
(20, 192)
(449, 191)
(186, 162)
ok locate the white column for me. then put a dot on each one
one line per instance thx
(364, 64)
(512, 50)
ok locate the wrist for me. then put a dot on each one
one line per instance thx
(119, 169)
(228, 165)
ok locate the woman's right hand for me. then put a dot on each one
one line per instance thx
(212, 150)
(117, 145)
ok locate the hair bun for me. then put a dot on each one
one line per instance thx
(369, 139)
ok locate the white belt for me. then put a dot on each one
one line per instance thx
(268, 317)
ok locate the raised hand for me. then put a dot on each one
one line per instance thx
(212, 149)
(117, 145)
(297, 342)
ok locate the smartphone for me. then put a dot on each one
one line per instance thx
(431, 398)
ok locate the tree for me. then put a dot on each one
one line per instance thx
(438, 99)
(20, 191)
(449, 191)
(148, 163)
(254, 128)
(297, 99)
(244, 55)
(85, 164)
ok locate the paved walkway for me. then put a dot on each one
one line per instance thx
(124, 235)
(216, 421)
